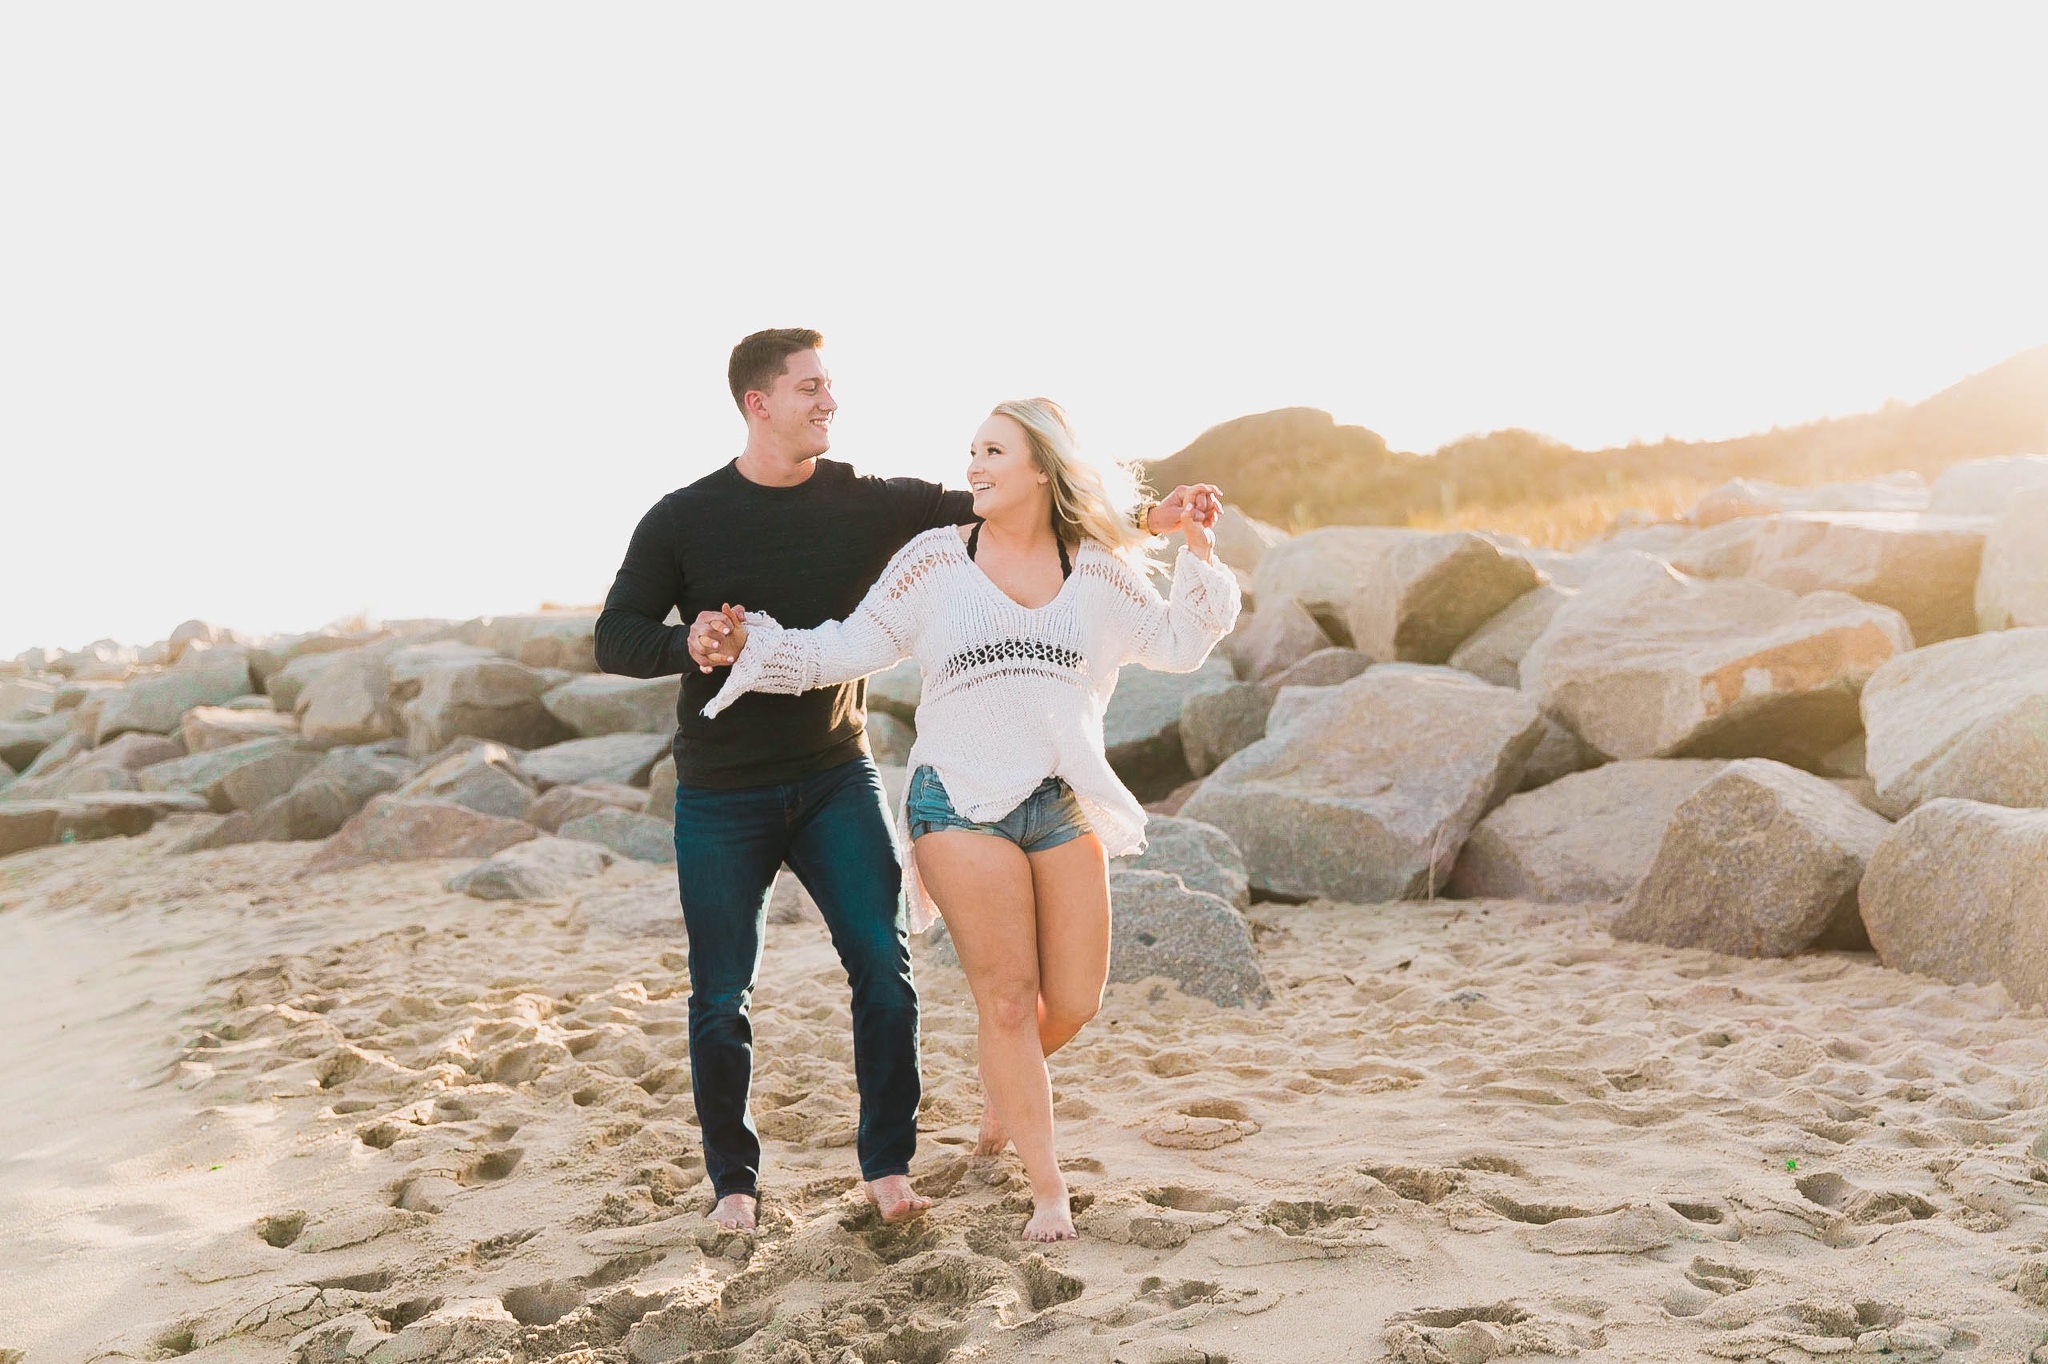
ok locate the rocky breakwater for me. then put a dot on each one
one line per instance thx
(1369, 792)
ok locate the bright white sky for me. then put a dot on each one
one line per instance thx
(414, 309)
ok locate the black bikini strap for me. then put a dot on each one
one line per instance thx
(1066, 565)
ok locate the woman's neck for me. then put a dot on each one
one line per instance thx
(1024, 531)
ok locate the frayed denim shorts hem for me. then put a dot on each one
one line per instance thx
(1046, 818)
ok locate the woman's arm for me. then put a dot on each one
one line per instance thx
(880, 631)
(1174, 635)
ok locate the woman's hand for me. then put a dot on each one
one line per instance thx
(1200, 508)
(717, 637)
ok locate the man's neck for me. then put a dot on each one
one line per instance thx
(774, 468)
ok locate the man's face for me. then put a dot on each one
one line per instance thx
(799, 407)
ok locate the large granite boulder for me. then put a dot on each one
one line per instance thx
(1647, 663)
(1321, 570)
(1924, 567)
(1965, 718)
(661, 790)
(1493, 652)
(81, 819)
(23, 741)
(1423, 595)
(603, 703)
(269, 658)
(1368, 794)
(344, 702)
(389, 829)
(1982, 487)
(1896, 492)
(2012, 587)
(640, 837)
(545, 639)
(624, 759)
(1559, 753)
(1161, 928)
(539, 869)
(254, 784)
(1727, 550)
(206, 727)
(897, 690)
(205, 774)
(485, 777)
(564, 803)
(1201, 855)
(114, 767)
(406, 666)
(154, 704)
(1269, 641)
(1589, 836)
(1958, 890)
(889, 739)
(1141, 728)
(24, 698)
(318, 803)
(287, 684)
(1762, 860)
(1241, 541)
(1214, 725)
(485, 699)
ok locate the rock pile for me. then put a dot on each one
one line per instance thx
(1708, 724)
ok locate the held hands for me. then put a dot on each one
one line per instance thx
(717, 637)
(1191, 509)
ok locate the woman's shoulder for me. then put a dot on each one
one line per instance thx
(922, 554)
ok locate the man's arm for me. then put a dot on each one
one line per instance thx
(631, 639)
(922, 506)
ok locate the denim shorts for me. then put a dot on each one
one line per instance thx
(1046, 818)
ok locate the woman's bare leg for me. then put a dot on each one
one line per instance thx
(1070, 884)
(1070, 889)
(983, 885)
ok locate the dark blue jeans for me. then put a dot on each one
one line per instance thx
(832, 829)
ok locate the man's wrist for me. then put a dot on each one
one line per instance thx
(1143, 515)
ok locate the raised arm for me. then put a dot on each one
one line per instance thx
(1174, 634)
(880, 631)
(631, 639)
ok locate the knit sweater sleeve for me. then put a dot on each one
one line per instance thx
(1174, 634)
(880, 631)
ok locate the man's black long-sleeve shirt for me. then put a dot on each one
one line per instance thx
(804, 554)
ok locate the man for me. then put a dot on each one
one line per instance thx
(776, 778)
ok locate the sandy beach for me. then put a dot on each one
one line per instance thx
(248, 1116)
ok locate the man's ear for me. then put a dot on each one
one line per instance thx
(755, 403)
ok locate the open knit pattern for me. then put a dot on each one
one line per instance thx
(1012, 694)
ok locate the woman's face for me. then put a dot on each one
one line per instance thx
(1001, 472)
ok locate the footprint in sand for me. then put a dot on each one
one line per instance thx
(1201, 1126)
(1473, 1335)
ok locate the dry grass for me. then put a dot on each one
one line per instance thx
(1569, 522)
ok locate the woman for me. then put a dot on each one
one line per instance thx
(1020, 622)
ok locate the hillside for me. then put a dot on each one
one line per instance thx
(1298, 468)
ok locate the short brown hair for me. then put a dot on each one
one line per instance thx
(759, 360)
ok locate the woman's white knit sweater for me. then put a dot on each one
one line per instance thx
(1012, 694)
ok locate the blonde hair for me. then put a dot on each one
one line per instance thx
(1090, 501)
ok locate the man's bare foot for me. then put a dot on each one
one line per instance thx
(993, 1138)
(735, 1212)
(895, 1199)
(1051, 1219)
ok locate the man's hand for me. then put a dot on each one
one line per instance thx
(711, 642)
(1202, 498)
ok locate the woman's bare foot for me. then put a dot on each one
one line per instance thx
(1051, 1219)
(993, 1138)
(895, 1199)
(735, 1212)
